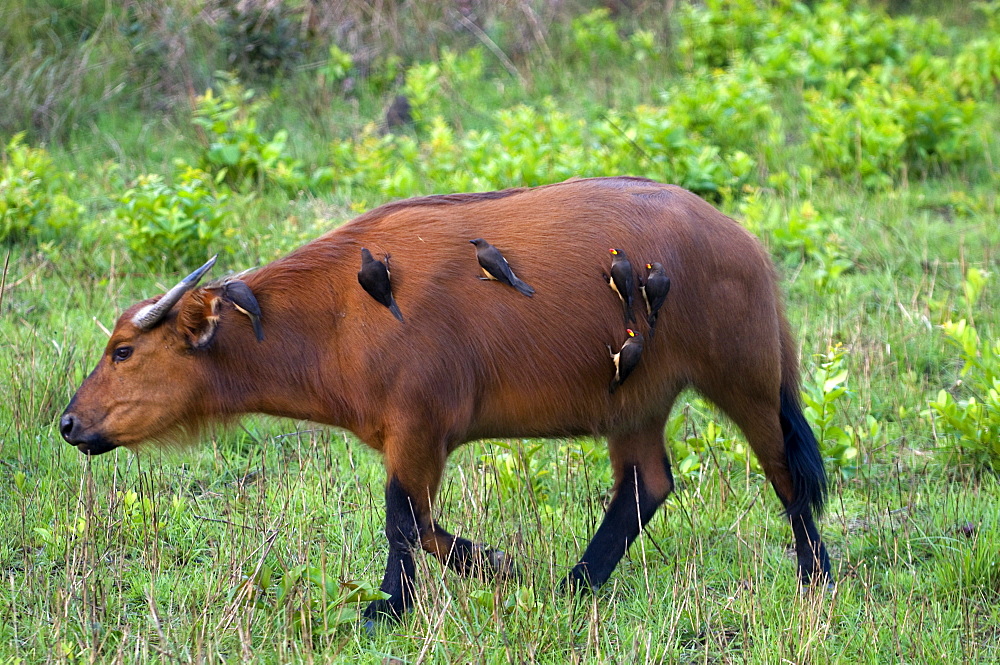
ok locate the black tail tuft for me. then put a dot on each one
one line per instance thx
(805, 464)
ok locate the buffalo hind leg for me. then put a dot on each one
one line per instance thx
(787, 450)
(642, 482)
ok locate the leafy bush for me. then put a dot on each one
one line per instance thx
(261, 38)
(880, 128)
(235, 151)
(32, 201)
(174, 226)
(801, 233)
(822, 397)
(792, 41)
(733, 109)
(970, 426)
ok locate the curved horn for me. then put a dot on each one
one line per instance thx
(150, 315)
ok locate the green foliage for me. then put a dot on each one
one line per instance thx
(531, 146)
(823, 397)
(234, 150)
(878, 129)
(313, 599)
(792, 41)
(801, 233)
(338, 66)
(595, 35)
(175, 226)
(733, 108)
(33, 202)
(261, 38)
(969, 426)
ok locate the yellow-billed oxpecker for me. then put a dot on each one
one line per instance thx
(238, 293)
(626, 359)
(495, 266)
(654, 291)
(622, 281)
(374, 278)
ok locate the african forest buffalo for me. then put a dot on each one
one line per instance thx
(477, 359)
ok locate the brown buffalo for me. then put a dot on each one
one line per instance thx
(477, 359)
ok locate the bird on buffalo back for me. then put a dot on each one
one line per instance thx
(495, 267)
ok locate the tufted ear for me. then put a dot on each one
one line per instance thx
(198, 318)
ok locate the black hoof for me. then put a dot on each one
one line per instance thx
(383, 611)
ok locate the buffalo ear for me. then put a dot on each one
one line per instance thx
(199, 317)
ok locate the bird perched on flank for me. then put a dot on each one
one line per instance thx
(622, 281)
(495, 266)
(374, 278)
(654, 291)
(243, 299)
(626, 359)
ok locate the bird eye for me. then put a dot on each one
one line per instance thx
(121, 353)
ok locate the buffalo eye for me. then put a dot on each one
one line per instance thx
(122, 353)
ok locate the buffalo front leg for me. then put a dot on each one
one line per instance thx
(642, 482)
(414, 467)
(466, 557)
(402, 516)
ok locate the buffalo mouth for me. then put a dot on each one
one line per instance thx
(95, 446)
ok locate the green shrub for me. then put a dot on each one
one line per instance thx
(174, 226)
(792, 41)
(969, 426)
(234, 150)
(733, 109)
(261, 38)
(800, 233)
(713, 32)
(527, 146)
(881, 127)
(33, 203)
(823, 395)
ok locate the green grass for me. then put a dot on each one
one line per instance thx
(243, 546)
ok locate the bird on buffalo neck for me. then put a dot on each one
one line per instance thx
(375, 280)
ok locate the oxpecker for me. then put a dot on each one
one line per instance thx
(654, 292)
(622, 281)
(495, 266)
(626, 359)
(375, 279)
(243, 299)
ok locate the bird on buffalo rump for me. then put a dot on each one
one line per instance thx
(621, 280)
(626, 359)
(654, 290)
(374, 278)
(495, 266)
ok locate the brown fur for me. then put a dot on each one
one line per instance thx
(475, 359)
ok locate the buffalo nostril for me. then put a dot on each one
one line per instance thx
(66, 424)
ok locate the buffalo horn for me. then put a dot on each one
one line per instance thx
(150, 315)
